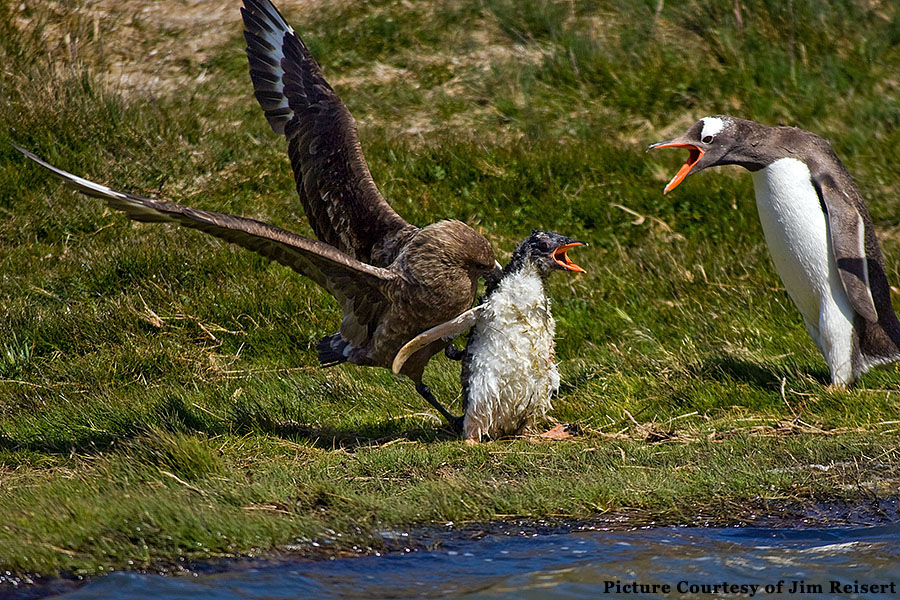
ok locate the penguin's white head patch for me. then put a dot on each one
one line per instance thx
(711, 126)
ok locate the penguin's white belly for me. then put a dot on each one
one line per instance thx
(797, 234)
(512, 371)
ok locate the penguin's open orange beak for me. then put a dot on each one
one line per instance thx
(559, 255)
(696, 153)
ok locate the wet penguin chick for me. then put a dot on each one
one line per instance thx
(819, 233)
(509, 372)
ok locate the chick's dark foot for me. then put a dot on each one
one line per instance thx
(454, 353)
(456, 424)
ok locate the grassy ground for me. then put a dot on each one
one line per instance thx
(159, 400)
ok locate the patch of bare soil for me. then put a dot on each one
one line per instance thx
(141, 47)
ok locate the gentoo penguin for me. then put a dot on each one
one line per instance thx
(508, 373)
(392, 279)
(819, 234)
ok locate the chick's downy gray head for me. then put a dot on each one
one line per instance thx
(545, 250)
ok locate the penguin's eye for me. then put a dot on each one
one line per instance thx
(707, 139)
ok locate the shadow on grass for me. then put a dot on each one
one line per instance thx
(174, 415)
(333, 438)
(316, 436)
(763, 376)
(297, 425)
(94, 434)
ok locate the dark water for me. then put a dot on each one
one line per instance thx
(574, 565)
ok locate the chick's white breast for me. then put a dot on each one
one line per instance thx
(513, 372)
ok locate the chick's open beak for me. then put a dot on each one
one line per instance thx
(696, 153)
(559, 255)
